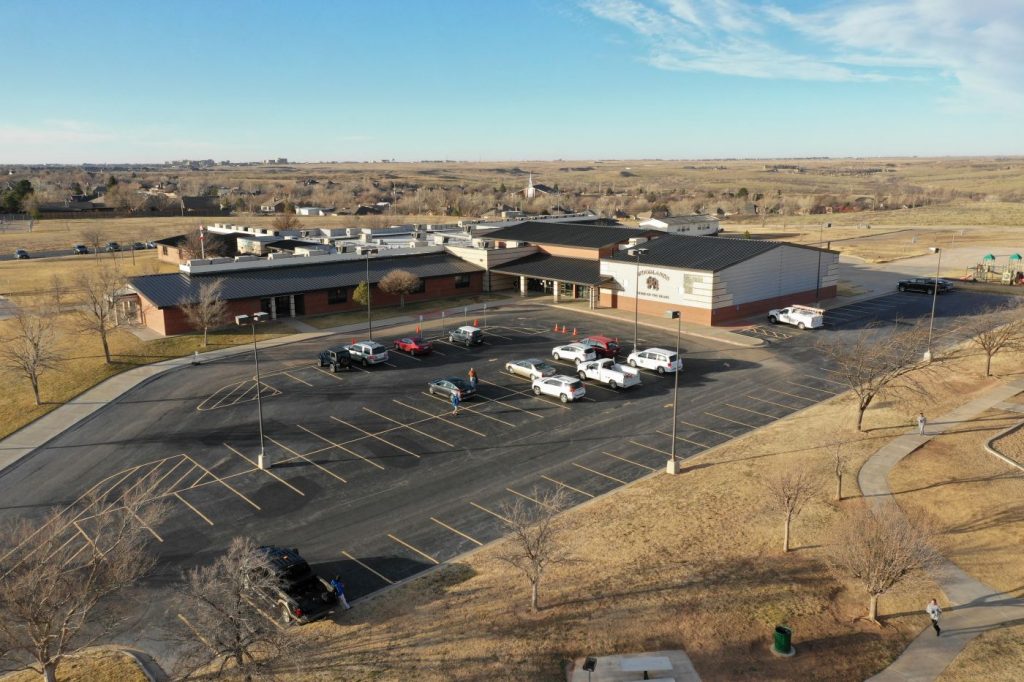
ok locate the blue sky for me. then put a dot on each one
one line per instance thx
(509, 79)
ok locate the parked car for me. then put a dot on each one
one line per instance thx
(80, 249)
(449, 385)
(413, 345)
(367, 352)
(299, 594)
(574, 351)
(607, 371)
(112, 246)
(801, 316)
(532, 368)
(150, 245)
(337, 358)
(21, 254)
(603, 346)
(657, 359)
(924, 284)
(138, 246)
(468, 335)
(563, 387)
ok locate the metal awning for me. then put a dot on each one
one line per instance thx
(544, 266)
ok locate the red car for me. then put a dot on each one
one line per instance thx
(413, 345)
(603, 346)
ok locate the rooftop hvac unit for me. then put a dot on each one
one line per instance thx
(245, 259)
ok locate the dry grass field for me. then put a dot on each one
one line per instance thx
(1005, 647)
(98, 665)
(689, 562)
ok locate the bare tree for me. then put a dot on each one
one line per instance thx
(207, 310)
(789, 492)
(29, 346)
(224, 630)
(286, 220)
(58, 292)
(1002, 328)
(839, 464)
(399, 283)
(879, 362)
(200, 243)
(98, 313)
(534, 542)
(881, 549)
(59, 575)
(94, 236)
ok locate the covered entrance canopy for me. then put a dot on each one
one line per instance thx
(559, 275)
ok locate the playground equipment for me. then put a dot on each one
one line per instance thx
(987, 271)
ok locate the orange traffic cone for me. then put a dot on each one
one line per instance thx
(418, 330)
(476, 322)
(574, 333)
(563, 328)
(556, 326)
(353, 342)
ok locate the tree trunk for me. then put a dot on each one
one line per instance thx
(106, 346)
(401, 300)
(873, 609)
(860, 416)
(534, 596)
(988, 364)
(839, 487)
(785, 534)
(35, 389)
(205, 330)
(50, 672)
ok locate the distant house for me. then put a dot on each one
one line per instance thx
(273, 206)
(312, 210)
(692, 225)
(363, 209)
(71, 206)
(203, 206)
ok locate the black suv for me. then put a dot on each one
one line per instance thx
(299, 594)
(336, 358)
(112, 246)
(467, 335)
(924, 284)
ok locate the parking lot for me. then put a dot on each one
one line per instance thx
(375, 479)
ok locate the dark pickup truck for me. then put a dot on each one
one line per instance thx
(925, 285)
(299, 594)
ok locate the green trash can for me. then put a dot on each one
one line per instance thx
(783, 639)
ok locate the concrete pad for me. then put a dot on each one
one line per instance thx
(609, 668)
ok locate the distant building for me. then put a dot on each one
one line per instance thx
(534, 190)
(313, 210)
(692, 225)
(203, 206)
(273, 206)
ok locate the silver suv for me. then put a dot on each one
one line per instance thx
(367, 352)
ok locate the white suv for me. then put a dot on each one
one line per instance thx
(563, 387)
(574, 351)
(368, 352)
(657, 359)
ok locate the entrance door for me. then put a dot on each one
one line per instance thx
(283, 304)
(300, 304)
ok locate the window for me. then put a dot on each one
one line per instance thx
(336, 296)
(163, 250)
(461, 281)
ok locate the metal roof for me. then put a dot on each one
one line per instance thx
(166, 291)
(544, 266)
(685, 219)
(566, 234)
(699, 253)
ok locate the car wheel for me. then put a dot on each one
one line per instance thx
(801, 325)
(901, 288)
(583, 376)
(430, 390)
(365, 363)
(773, 319)
(320, 363)
(632, 363)
(556, 356)
(564, 398)
(536, 390)
(661, 370)
(334, 368)
(612, 384)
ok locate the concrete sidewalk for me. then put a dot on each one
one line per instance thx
(974, 607)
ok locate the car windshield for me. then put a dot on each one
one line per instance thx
(375, 347)
(544, 367)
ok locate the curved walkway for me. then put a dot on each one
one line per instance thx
(974, 607)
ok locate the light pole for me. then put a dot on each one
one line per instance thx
(636, 300)
(935, 294)
(262, 461)
(673, 464)
(817, 275)
(369, 311)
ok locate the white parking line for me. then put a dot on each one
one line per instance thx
(386, 579)
(457, 532)
(737, 407)
(787, 407)
(726, 419)
(373, 435)
(642, 466)
(566, 485)
(792, 395)
(813, 388)
(594, 471)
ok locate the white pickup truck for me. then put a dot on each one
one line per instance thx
(607, 371)
(800, 316)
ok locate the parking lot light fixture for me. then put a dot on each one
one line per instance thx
(636, 300)
(935, 294)
(262, 460)
(673, 464)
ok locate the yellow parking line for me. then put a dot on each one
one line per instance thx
(301, 381)
(495, 514)
(528, 392)
(726, 419)
(441, 417)
(408, 426)
(737, 407)
(225, 484)
(234, 387)
(407, 545)
(648, 447)
(685, 440)
(386, 579)
(594, 471)
(527, 497)
(337, 445)
(182, 478)
(373, 435)
(793, 395)
(642, 466)
(266, 471)
(831, 381)
(466, 408)
(788, 407)
(88, 539)
(566, 485)
(457, 532)
(793, 383)
(333, 375)
(201, 514)
(704, 428)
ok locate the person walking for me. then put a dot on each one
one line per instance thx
(921, 423)
(456, 399)
(473, 379)
(934, 612)
(339, 589)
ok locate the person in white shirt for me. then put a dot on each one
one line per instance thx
(934, 612)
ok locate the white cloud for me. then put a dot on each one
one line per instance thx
(972, 50)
